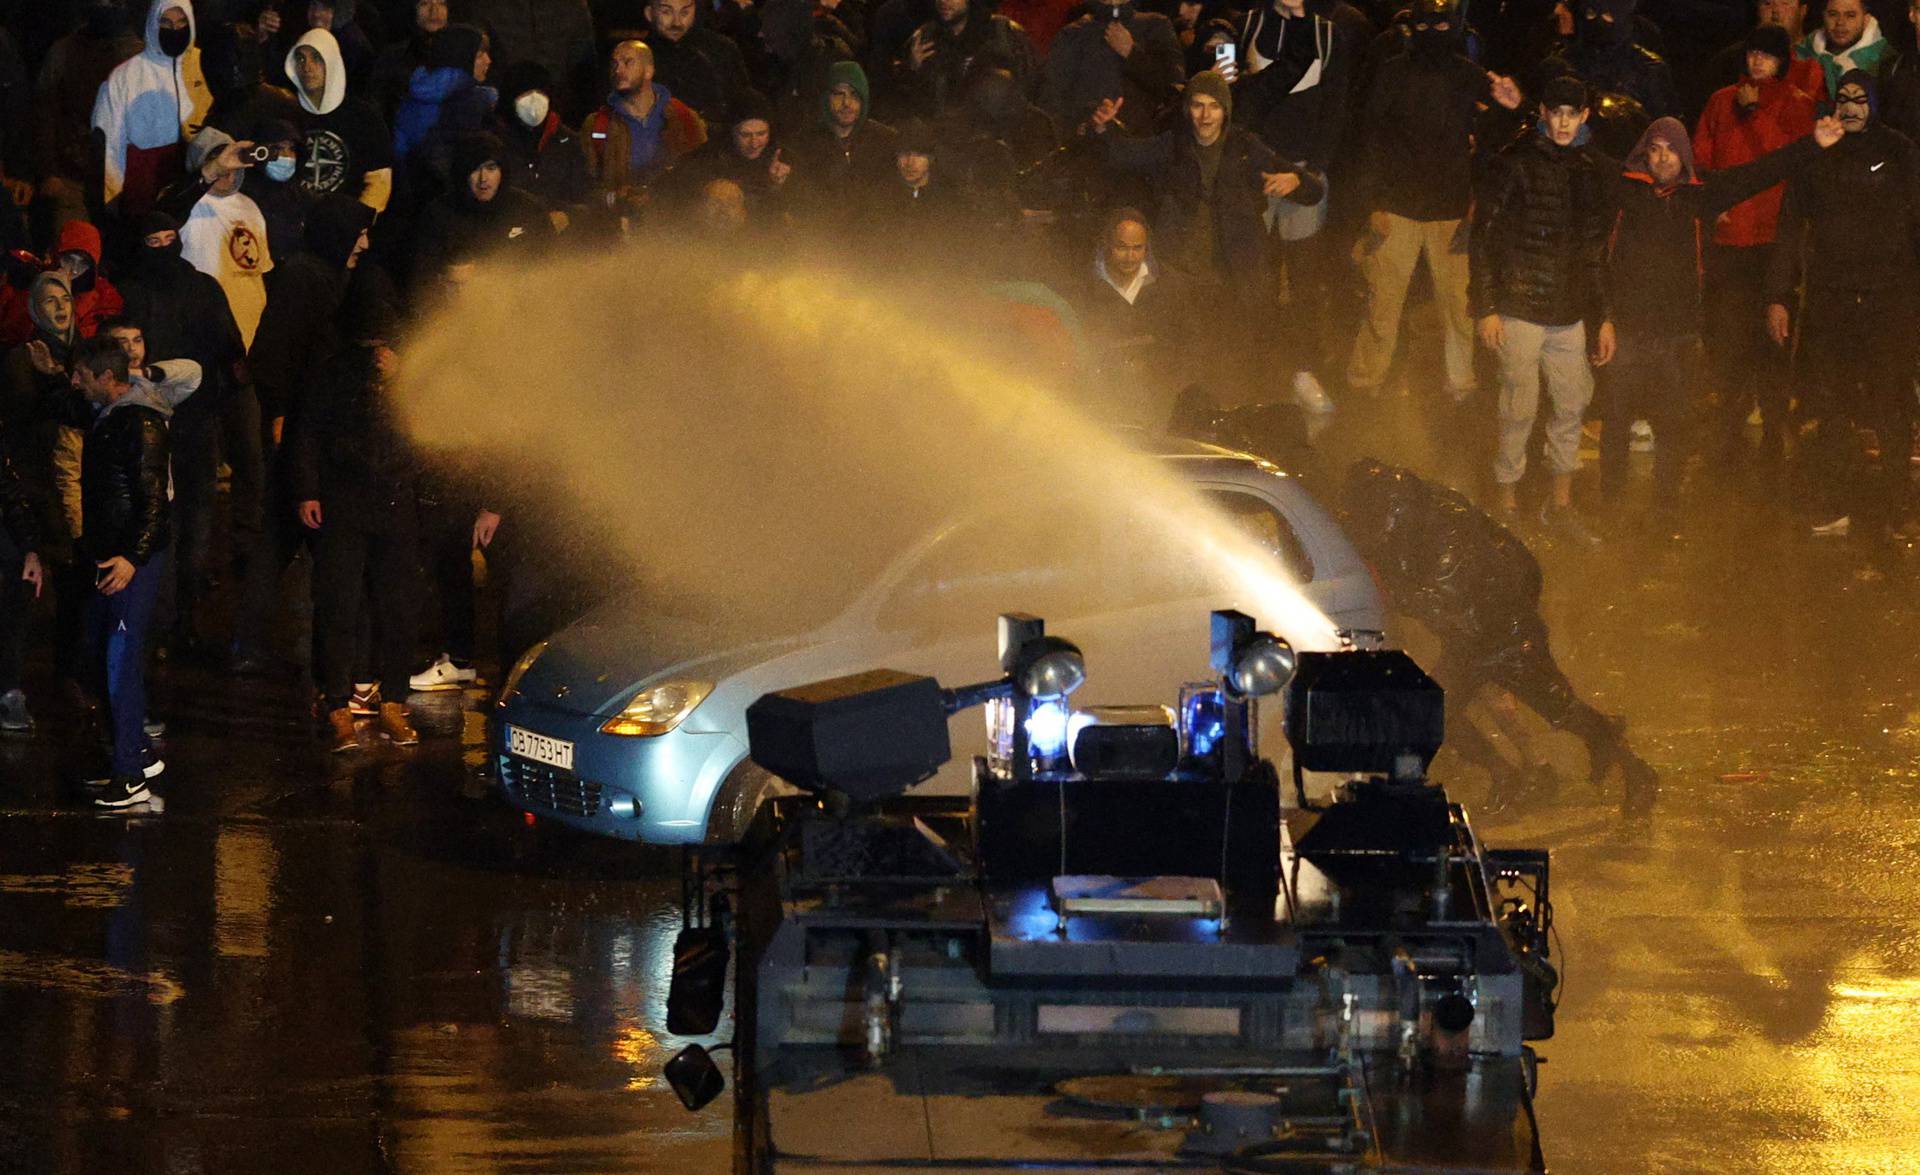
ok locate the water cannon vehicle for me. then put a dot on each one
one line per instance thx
(1136, 945)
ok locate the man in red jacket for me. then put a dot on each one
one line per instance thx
(1762, 113)
(76, 250)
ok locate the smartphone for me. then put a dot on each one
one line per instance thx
(259, 154)
(1113, 12)
(1223, 54)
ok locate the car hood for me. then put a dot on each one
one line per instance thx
(594, 665)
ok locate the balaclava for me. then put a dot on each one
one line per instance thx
(1598, 35)
(1867, 82)
(1427, 41)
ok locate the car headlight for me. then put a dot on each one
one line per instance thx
(519, 670)
(658, 708)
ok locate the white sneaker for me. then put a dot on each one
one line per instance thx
(1837, 529)
(443, 674)
(1641, 435)
(1308, 393)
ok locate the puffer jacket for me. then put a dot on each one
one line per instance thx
(1539, 235)
(123, 485)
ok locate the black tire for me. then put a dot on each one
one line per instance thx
(741, 794)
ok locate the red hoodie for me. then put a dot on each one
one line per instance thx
(1727, 137)
(90, 308)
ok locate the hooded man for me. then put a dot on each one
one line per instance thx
(77, 252)
(1476, 586)
(1605, 55)
(446, 97)
(296, 338)
(1117, 52)
(150, 105)
(1850, 230)
(845, 154)
(243, 103)
(479, 215)
(355, 476)
(1849, 38)
(1536, 286)
(641, 130)
(1418, 127)
(1213, 181)
(751, 156)
(544, 158)
(184, 314)
(1664, 208)
(1762, 112)
(346, 146)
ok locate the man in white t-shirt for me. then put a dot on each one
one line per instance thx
(224, 234)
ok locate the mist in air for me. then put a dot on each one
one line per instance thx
(751, 443)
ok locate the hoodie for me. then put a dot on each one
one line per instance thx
(90, 306)
(1869, 53)
(1851, 218)
(443, 100)
(148, 107)
(1659, 231)
(347, 149)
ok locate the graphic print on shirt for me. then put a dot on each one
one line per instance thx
(327, 163)
(245, 249)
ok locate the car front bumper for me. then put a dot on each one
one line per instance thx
(657, 790)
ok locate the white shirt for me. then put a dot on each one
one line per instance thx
(226, 239)
(1130, 291)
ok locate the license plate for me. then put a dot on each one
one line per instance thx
(554, 752)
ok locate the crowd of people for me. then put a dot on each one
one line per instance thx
(221, 217)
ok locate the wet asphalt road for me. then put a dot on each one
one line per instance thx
(361, 963)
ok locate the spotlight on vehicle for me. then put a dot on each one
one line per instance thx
(1255, 664)
(1050, 669)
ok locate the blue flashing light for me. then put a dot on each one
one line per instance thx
(1047, 729)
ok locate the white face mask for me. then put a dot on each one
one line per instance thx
(530, 108)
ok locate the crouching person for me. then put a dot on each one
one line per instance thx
(125, 531)
(355, 478)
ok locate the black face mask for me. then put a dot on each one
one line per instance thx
(1432, 43)
(174, 42)
(102, 20)
(159, 260)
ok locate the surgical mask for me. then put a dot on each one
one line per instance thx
(531, 108)
(174, 42)
(279, 169)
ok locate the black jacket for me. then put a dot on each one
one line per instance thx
(702, 69)
(1538, 243)
(123, 485)
(347, 448)
(1655, 251)
(1182, 207)
(547, 163)
(184, 315)
(1300, 124)
(1417, 134)
(1082, 69)
(455, 228)
(988, 40)
(1851, 219)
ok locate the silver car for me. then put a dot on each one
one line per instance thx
(635, 726)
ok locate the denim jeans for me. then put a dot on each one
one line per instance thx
(117, 653)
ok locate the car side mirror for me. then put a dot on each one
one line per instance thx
(694, 1076)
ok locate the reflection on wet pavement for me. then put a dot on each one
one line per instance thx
(367, 963)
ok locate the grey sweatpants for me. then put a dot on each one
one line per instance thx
(1529, 351)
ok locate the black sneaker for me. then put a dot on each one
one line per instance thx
(123, 791)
